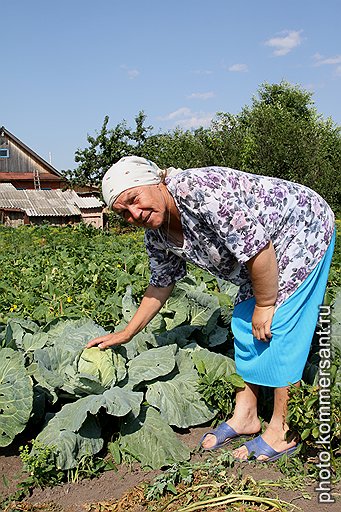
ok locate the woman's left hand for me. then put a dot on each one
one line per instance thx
(261, 322)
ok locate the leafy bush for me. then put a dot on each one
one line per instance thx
(40, 466)
(69, 272)
(219, 391)
(304, 409)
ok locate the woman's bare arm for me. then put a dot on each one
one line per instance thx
(153, 300)
(263, 272)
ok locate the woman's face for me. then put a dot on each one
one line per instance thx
(143, 206)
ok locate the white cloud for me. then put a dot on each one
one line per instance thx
(313, 86)
(181, 112)
(239, 68)
(196, 120)
(285, 43)
(132, 73)
(321, 61)
(201, 95)
(202, 72)
(187, 119)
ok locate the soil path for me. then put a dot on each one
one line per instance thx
(112, 485)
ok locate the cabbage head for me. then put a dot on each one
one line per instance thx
(99, 364)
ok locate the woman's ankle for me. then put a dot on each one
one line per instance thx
(245, 423)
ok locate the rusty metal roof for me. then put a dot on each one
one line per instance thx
(37, 203)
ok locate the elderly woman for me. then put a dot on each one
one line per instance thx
(271, 237)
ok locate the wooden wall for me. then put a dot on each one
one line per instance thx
(44, 183)
(12, 219)
(19, 160)
(54, 220)
(93, 216)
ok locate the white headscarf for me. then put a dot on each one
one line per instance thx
(128, 172)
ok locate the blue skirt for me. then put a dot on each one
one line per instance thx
(281, 361)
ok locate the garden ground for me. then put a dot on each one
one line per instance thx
(101, 493)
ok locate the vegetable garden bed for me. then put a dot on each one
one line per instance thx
(80, 411)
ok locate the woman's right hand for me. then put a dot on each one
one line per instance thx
(109, 340)
(153, 300)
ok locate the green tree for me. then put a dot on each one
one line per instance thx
(140, 135)
(179, 148)
(282, 135)
(105, 148)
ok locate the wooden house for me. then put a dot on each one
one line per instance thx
(25, 169)
(32, 191)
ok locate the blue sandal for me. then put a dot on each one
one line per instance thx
(224, 435)
(258, 446)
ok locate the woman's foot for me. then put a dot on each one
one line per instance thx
(274, 438)
(243, 426)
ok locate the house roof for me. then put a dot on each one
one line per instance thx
(43, 203)
(52, 169)
(82, 201)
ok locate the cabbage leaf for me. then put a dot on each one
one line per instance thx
(151, 441)
(16, 395)
(177, 399)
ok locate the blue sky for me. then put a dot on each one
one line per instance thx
(68, 63)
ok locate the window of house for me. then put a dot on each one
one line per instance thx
(4, 153)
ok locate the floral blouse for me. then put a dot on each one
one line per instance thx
(228, 216)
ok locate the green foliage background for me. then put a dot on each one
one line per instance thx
(77, 271)
(280, 134)
(74, 271)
